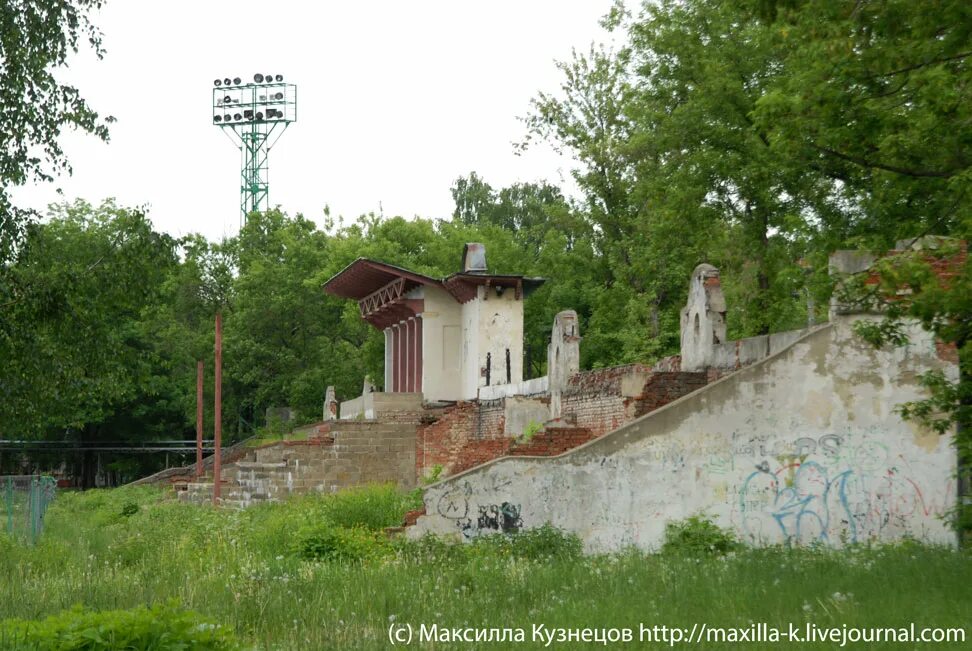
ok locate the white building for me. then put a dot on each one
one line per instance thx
(444, 337)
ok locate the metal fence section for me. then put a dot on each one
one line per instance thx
(23, 501)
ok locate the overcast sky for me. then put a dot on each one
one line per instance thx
(395, 100)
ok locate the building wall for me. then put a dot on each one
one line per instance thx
(441, 345)
(500, 329)
(803, 446)
(491, 325)
(470, 364)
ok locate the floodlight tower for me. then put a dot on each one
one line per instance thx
(254, 115)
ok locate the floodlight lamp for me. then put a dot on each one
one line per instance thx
(258, 78)
(278, 95)
(248, 114)
(227, 81)
(237, 81)
(259, 115)
(217, 118)
(237, 117)
(227, 117)
(217, 82)
(279, 77)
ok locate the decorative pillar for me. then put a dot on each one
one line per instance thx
(389, 361)
(419, 349)
(410, 354)
(396, 349)
(400, 353)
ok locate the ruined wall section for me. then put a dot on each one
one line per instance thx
(592, 404)
(802, 447)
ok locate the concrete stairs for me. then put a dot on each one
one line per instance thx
(338, 454)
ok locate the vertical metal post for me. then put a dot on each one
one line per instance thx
(199, 418)
(489, 364)
(10, 505)
(33, 506)
(509, 370)
(218, 416)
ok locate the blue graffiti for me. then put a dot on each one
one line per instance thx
(801, 508)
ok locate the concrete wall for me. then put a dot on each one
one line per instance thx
(491, 325)
(405, 407)
(441, 345)
(802, 446)
(535, 386)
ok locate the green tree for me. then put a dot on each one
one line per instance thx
(36, 38)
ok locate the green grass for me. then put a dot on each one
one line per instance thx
(245, 571)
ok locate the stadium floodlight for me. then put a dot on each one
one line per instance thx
(254, 130)
(217, 82)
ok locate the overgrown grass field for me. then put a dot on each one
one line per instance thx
(318, 573)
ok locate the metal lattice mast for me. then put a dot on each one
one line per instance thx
(254, 115)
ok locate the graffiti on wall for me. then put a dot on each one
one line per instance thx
(826, 490)
(454, 505)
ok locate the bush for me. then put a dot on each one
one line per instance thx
(349, 545)
(697, 535)
(541, 543)
(161, 628)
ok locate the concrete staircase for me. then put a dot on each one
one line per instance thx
(338, 454)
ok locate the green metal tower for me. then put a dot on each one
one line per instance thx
(254, 115)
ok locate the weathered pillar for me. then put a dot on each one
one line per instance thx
(330, 404)
(396, 350)
(703, 319)
(563, 356)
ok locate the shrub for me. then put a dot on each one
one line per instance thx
(532, 429)
(160, 628)
(545, 542)
(372, 507)
(349, 545)
(697, 535)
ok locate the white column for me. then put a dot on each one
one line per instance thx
(389, 360)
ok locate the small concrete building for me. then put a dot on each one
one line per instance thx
(444, 337)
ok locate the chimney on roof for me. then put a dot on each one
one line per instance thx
(474, 258)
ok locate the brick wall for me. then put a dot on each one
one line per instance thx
(594, 403)
(605, 399)
(552, 441)
(460, 437)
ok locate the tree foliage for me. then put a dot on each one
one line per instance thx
(36, 38)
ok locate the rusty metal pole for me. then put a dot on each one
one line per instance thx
(218, 416)
(199, 419)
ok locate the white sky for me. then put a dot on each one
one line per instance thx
(395, 101)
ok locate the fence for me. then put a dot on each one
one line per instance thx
(23, 501)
